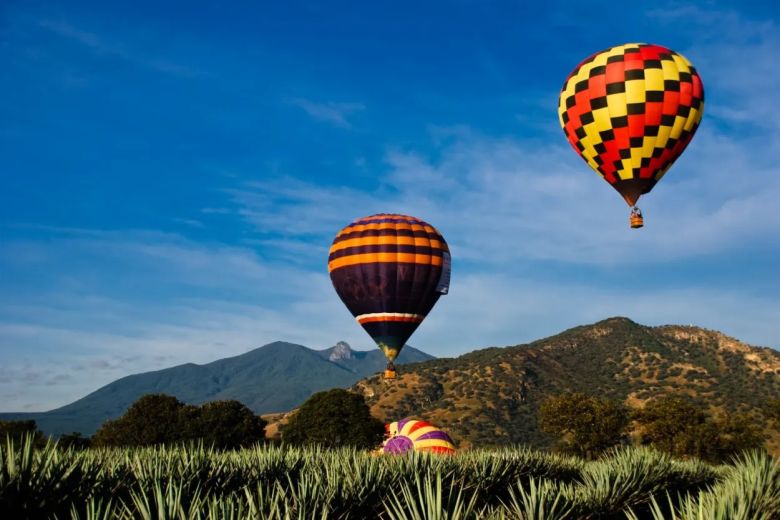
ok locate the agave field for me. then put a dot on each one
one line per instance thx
(272, 482)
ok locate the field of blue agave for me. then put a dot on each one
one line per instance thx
(277, 482)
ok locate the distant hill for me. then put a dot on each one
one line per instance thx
(491, 396)
(276, 377)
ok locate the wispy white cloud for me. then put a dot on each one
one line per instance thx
(736, 56)
(335, 113)
(90, 332)
(501, 203)
(85, 38)
(490, 308)
(483, 190)
(479, 189)
(101, 45)
(189, 222)
(115, 303)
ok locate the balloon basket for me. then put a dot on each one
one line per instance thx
(390, 374)
(636, 221)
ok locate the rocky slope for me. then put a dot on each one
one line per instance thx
(491, 396)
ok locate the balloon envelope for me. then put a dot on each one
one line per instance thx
(389, 270)
(630, 111)
(411, 434)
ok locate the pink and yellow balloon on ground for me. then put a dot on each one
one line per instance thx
(413, 435)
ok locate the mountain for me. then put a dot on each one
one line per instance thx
(491, 396)
(276, 377)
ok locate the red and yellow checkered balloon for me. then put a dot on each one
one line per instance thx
(630, 111)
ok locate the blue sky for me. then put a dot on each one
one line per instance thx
(173, 175)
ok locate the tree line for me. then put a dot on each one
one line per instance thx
(332, 418)
(163, 419)
(587, 426)
(581, 424)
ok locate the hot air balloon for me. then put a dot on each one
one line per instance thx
(410, 434)
(389, 270)
(629, 112)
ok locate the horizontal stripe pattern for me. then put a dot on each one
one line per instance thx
(385, 238)
(388, 266)
(377, 240)
(390, 316)
(370, 258)
(375, 225)
(385, 248)
(410, 434)
(387, 231)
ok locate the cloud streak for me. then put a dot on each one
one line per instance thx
(103, 47)
(482, 190)
(334, 113)
(540, 243)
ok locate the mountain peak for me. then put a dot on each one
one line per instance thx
(492, 396)
(340, 352)
(617, 320)
(277, 376)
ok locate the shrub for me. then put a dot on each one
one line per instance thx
(584, 425)
(334, 418)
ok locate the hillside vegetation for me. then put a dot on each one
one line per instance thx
(492, 396)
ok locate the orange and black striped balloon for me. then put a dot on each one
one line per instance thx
(389, 270)
(630, 111)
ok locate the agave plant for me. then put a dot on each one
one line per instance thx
(540, 464)
(281, 483)
(358, 485)
(486, 475)
(266, 502)
(752, 487)
(98, 508)
(163, 501)
(538, 500)
(41, 482)
(426, 500)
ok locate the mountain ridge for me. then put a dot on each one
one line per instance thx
(491, 396)
(272, 378)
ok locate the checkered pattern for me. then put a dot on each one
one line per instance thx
(630, 111)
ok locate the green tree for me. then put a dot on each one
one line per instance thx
(152, 419)
(17, 430)
(160, 418)
(584, 425)
(772, 411)
(227, 424)
(674, 425)
(73, 440)
(678, 427)
(736, 432)
(334, 418)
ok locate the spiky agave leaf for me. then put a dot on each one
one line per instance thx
(538, 500)
(229, 507)
(266, 502)
(683, 508)
(357, 484)
(750, 489)
(98, 508)
(623, 479)
(163, 501)
(41, 482)
(427, 501)
(540, 464)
